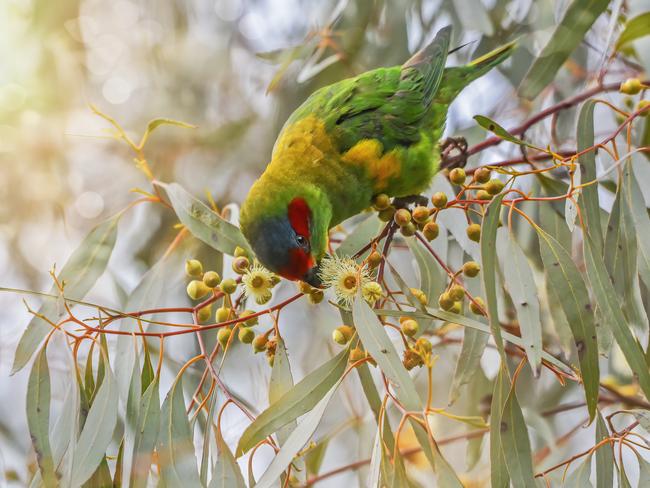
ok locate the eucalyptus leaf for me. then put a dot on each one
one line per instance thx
(203, 222)
(604, 456)
(86, 264)
(635, 28)
(175, 446)
(97, 432)
(38, 417)
(294, 403)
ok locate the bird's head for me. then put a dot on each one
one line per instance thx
(287, 230)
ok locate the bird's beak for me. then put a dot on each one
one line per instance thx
(313, 277)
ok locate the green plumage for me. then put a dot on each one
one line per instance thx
(375, 133)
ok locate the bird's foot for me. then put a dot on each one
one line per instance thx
(404, 202)
(453, 152)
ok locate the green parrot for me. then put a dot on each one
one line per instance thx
(375, 133)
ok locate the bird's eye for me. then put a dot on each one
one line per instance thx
(302, 241)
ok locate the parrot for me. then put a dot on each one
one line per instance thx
(375, 133)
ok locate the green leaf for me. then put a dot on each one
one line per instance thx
(176, 456)
(644, 472)
(515, 443)
(281, 382)
(97, 432)
(378, 344)
(226, 473)
(500, 131)
(432, 277)
(38, 417)
(146, 435)
(604, 456)
(474, 343)
(155, 123)
(294, 403)
(372, 395)
(523, 291)
(101, 476)
(132, 410)
(489, 269)
(80, 273)
(567, 282)
(204, 223)
(609, 305)
(635, 28)
(374, 473)
(297, 439)
(577, 20)
(499, 476)
(579, 478)
(636, 205)
(623, 481)
(589, 194)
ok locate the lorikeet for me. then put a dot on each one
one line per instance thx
(375, 133)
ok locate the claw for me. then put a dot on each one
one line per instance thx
(449, 146)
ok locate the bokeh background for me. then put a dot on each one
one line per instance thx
(236, 69)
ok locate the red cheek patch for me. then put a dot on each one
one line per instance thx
(299, 216)
(300, 263)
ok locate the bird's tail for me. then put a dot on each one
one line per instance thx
(457, 78)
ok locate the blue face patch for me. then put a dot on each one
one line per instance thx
(272, 239)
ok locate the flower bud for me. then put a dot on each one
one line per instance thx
(193, 267)
(223, 336)
(431, 231)
(240, 252)
(471, 269)
(371, 291)
(196, 289)
(457, 308)
(445, 301)
(494, 186)
(343, 334)
(240, 265)
(402, 217)
(316, 296)
(483, 195)
(228, 286)
(387, 214)
(223, 314)
(476, 307)
(246, 335)
(482, 175)
(474, 232)
(374, 259)
(211, 279)
(305, 288)
(439, 199)
(381, 201)
(248, 322)
(631, 86)
(356, 354)
(457, 176)
(421, 214)
(457, 292)
(259, 343)
(410, 327)
(408, 230)
(641, 105)
(420, 295)
(204, 313)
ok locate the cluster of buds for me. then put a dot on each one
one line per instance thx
(357, 354)
(201, 285)
(482, 184)
(451, 300)
(343, 334)
(418, 354)
(408, 221)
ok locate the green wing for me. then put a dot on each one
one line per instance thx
(388, 104)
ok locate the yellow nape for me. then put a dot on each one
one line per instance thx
(306, 138)
(380, 168)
